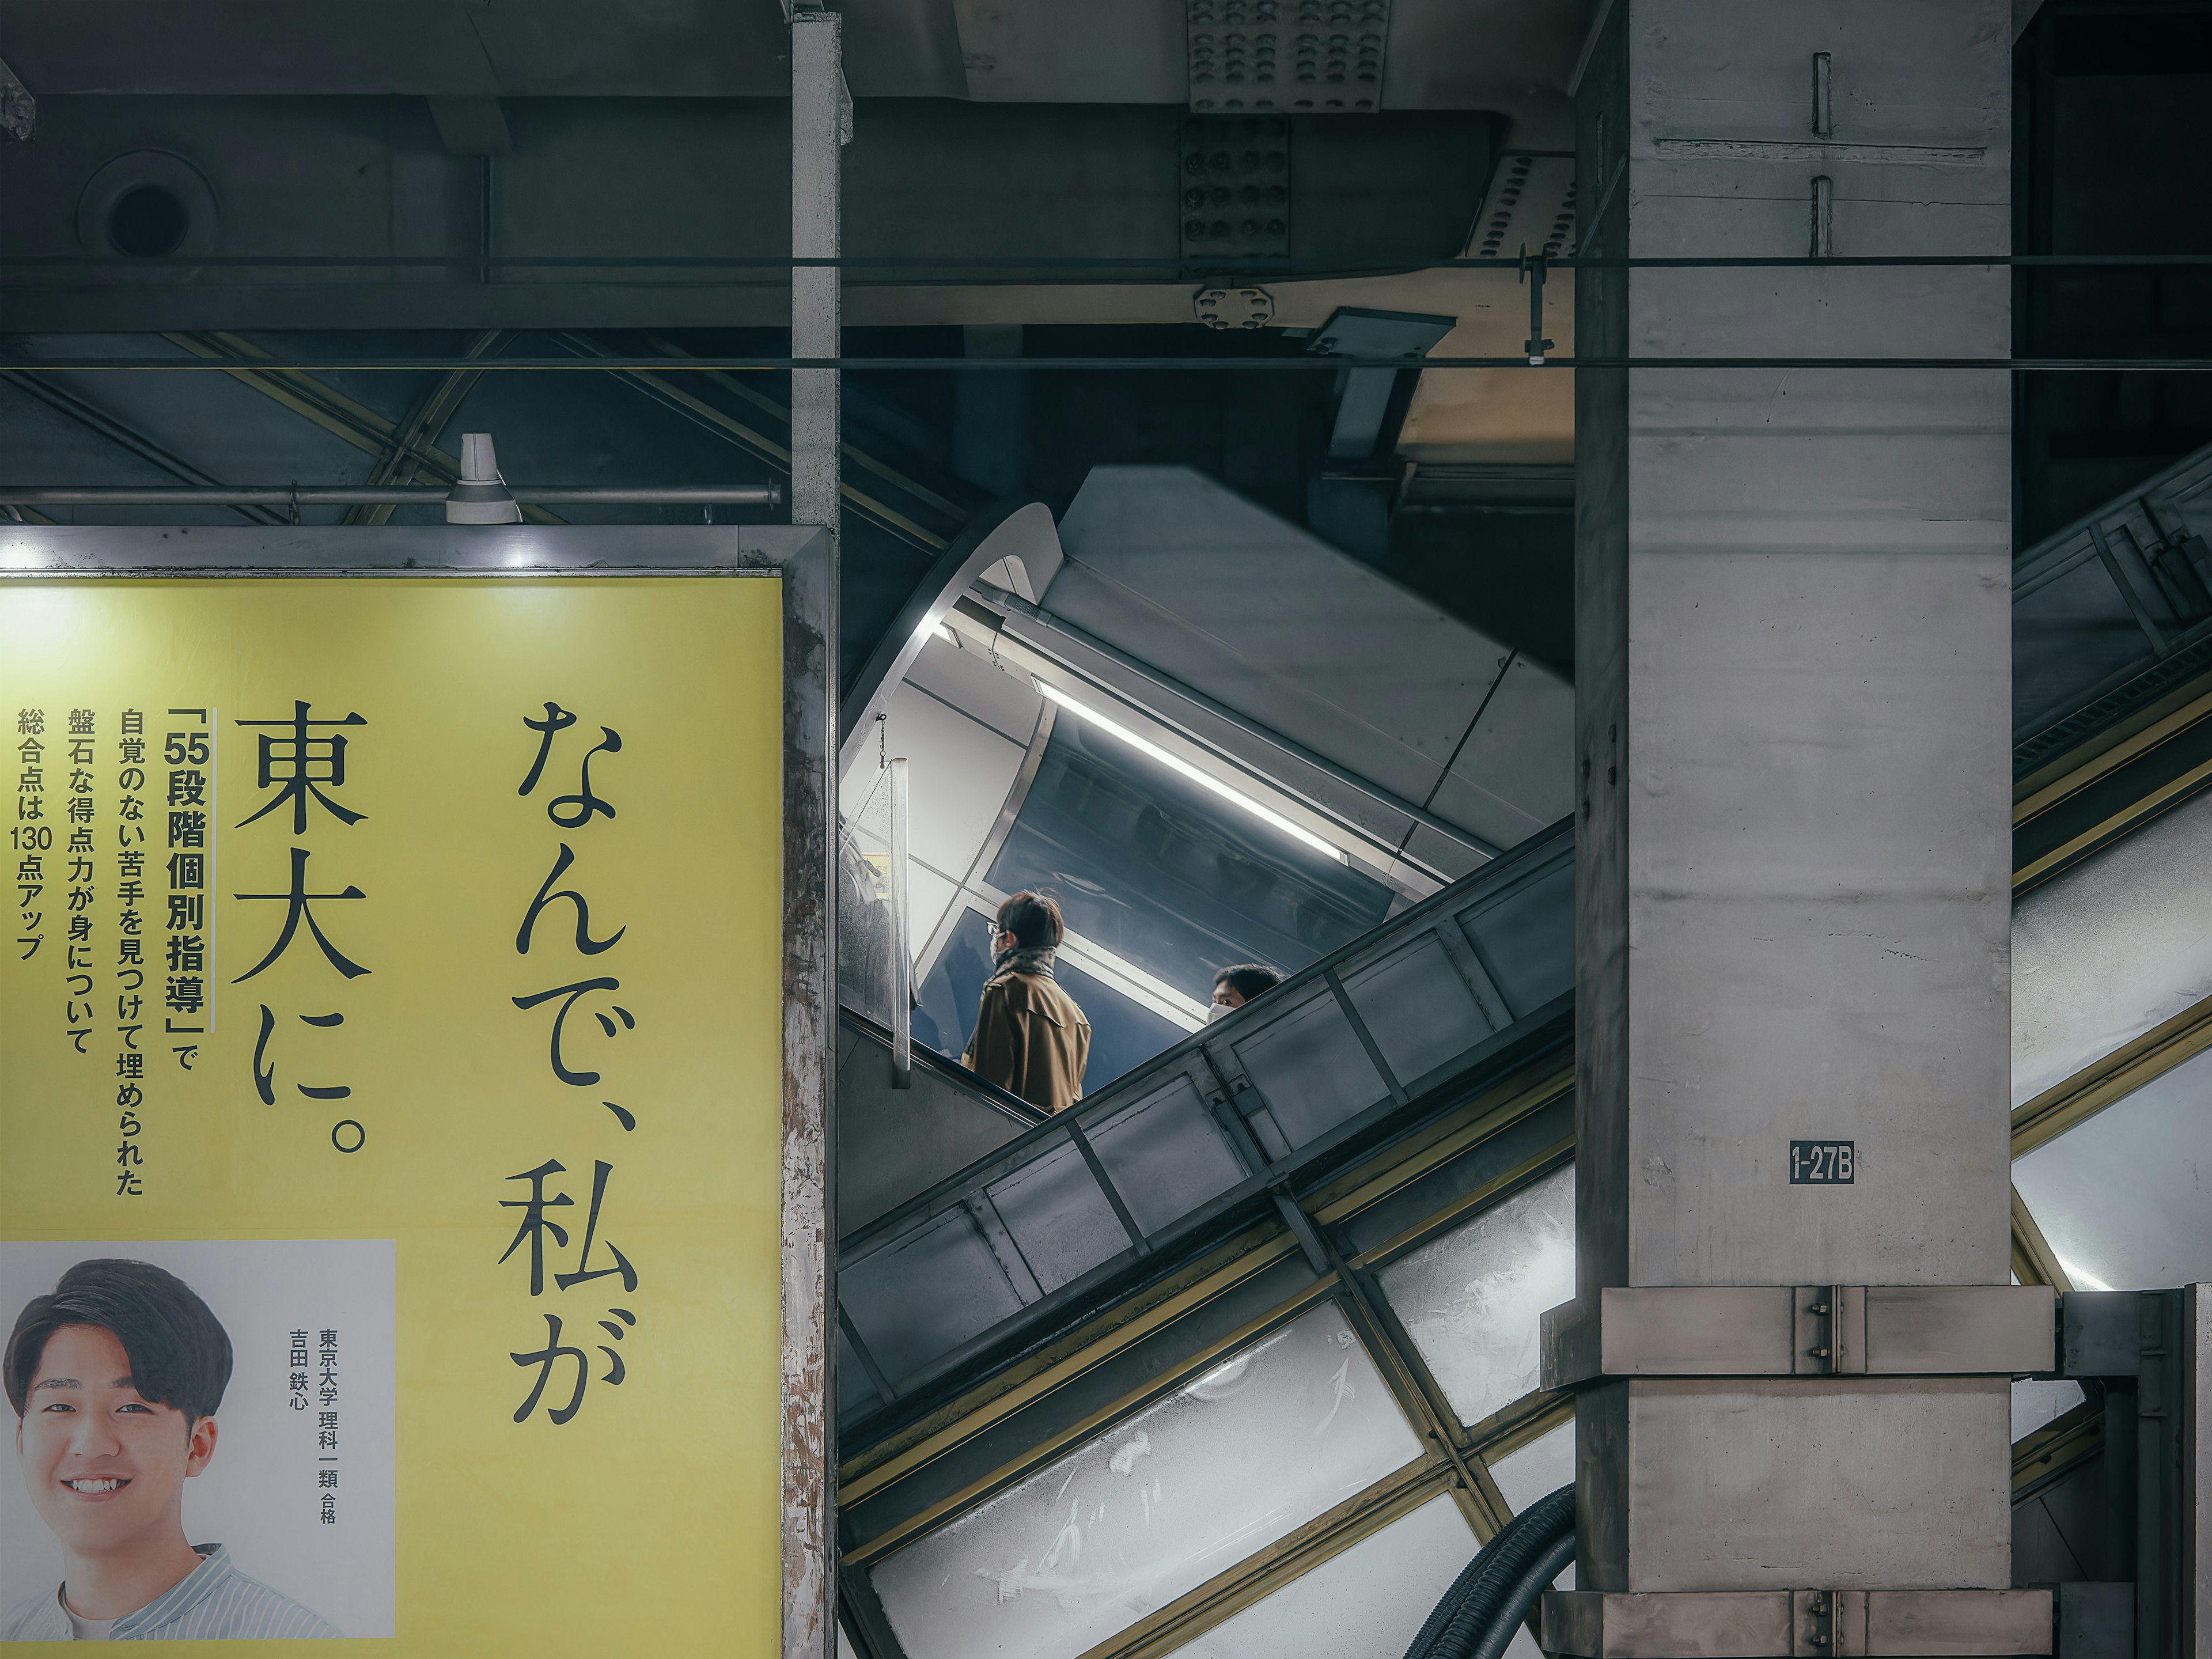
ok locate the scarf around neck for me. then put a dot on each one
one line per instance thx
(1024, 959)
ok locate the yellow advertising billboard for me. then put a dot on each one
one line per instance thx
(389, 1111)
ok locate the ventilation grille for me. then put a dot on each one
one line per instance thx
(1304, 56)
(1531, 205)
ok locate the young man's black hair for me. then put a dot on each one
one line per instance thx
(1247, 979)
(179, 1351)
(116, 1378)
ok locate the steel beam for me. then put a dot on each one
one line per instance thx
(385, 496)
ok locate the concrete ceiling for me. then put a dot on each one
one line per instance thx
(1510, 56)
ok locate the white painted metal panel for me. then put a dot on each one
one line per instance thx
(1270, 620)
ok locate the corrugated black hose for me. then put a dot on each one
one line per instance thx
(1486, 1604)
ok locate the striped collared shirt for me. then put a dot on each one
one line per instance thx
(214, 1601)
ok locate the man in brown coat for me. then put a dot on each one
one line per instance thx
(1031, 1038)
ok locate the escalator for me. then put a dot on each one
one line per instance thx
(1378, 1037)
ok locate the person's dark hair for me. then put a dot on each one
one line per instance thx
(1249, 979)
(179, 1352)
(1033, 920)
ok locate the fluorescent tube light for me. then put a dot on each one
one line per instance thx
(1205, 779)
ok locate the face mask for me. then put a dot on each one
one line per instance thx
(1217, 1011)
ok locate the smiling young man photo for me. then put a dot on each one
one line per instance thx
(115, 1379)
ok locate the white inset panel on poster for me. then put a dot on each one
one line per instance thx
(298, 1490)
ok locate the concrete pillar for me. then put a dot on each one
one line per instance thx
(1793, 676)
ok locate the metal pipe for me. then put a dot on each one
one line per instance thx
(767, 494)
(1302, 364)
(1279, 266)
(1244, 723)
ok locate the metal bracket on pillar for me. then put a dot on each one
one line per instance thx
(1806, 1330)
(1827, 1624)
(1831, 1321)
(1820, 1624)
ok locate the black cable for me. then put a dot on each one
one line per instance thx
(1525, 1596)
(1299, 363)
(1277, 266)
(1495, 1590)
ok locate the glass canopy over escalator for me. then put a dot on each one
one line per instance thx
(1283, 1434)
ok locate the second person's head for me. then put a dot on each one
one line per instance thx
(1029, 922)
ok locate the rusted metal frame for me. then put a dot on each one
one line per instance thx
(820, 124)
(1525, 1422)
(809, 1424)
(1420, 1397)
(424, 425)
